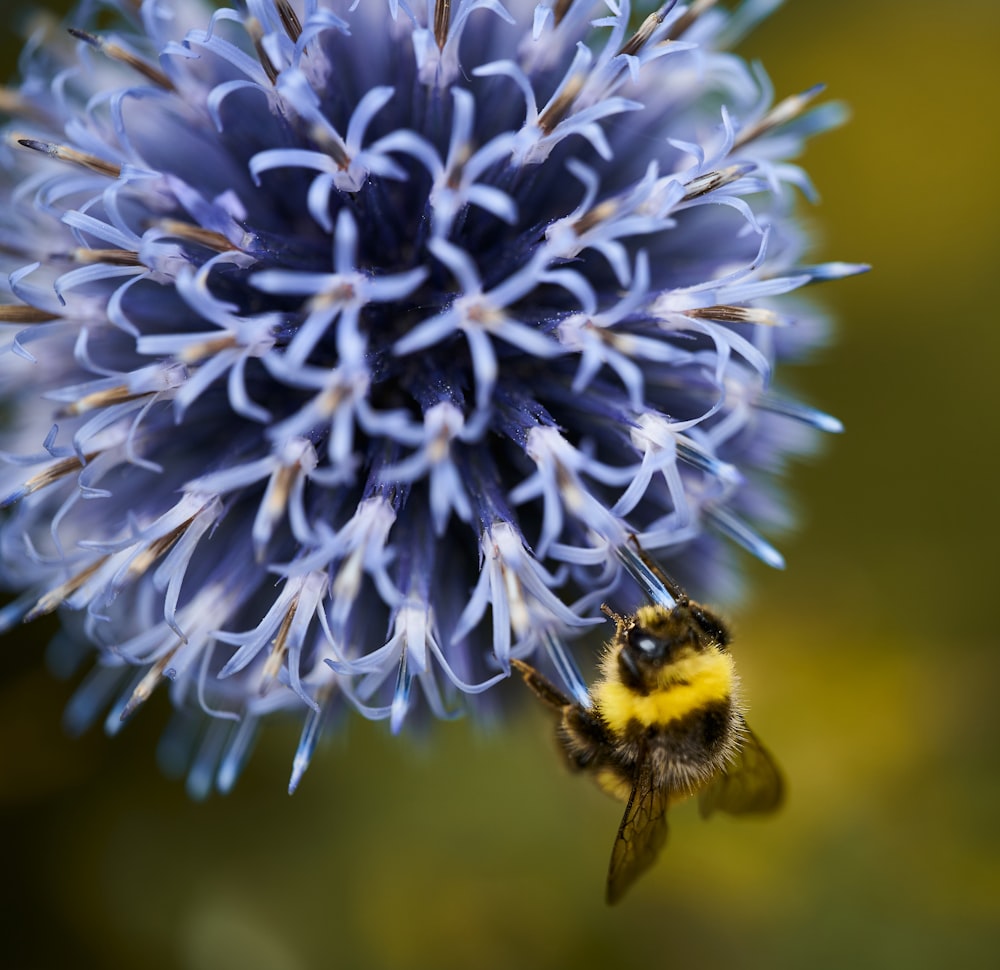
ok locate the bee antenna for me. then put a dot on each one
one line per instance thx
(610, 613)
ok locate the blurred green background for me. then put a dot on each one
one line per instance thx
(873, 661)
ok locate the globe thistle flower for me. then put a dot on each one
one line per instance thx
(347, 346)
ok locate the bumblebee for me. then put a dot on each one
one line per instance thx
(665, 721)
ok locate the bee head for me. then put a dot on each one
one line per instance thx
(657, 637)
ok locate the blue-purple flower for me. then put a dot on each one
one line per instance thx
(347, 347)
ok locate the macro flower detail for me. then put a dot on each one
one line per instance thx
(347, 346)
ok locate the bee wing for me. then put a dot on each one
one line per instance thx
(751, 784)
(641, 835)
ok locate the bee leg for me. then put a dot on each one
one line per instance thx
(544, 689)
(584, 737)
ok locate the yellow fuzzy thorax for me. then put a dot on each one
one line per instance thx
(690, 683)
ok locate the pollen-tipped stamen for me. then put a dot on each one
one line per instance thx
(21, 313)
(54, 473)
(150, 681)
(559, 108)
(780, 114)
(686, 19)
(118, 53)
(289, 19)
(442, 22)
(55, 597)
(737, 314)
(102, 399)
(255, 31)
(196, 234)
(116, 257)
(710, 181)
(641, 37)
(279, 649)
(64, 153)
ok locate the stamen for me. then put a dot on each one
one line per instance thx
(54, 473)
(343, 292)
(22, 313)
(158, 548)
(710, 181)
(195, 234)
(639, 39)
(737, 314)
(559, 108)
(12, 102)
(442, 21)
(279, 647)
(520, 615)
(686, 19)
(118, 53)
(66, 154)
(101, 399)
(117, 257)
(253, 27)
(624, 343)
(559, 10)
(281, 486)
(54, 598)
(332, 144)
(194, 353)
(148, 684)
(330, 400)
(289, 19)
(462, 156)
(599, 213)
(780, 114)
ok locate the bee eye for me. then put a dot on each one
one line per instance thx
(642, 654)
(647, 645)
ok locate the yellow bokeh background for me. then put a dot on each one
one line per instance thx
(872, 662)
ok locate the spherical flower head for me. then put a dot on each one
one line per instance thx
(348, 347)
